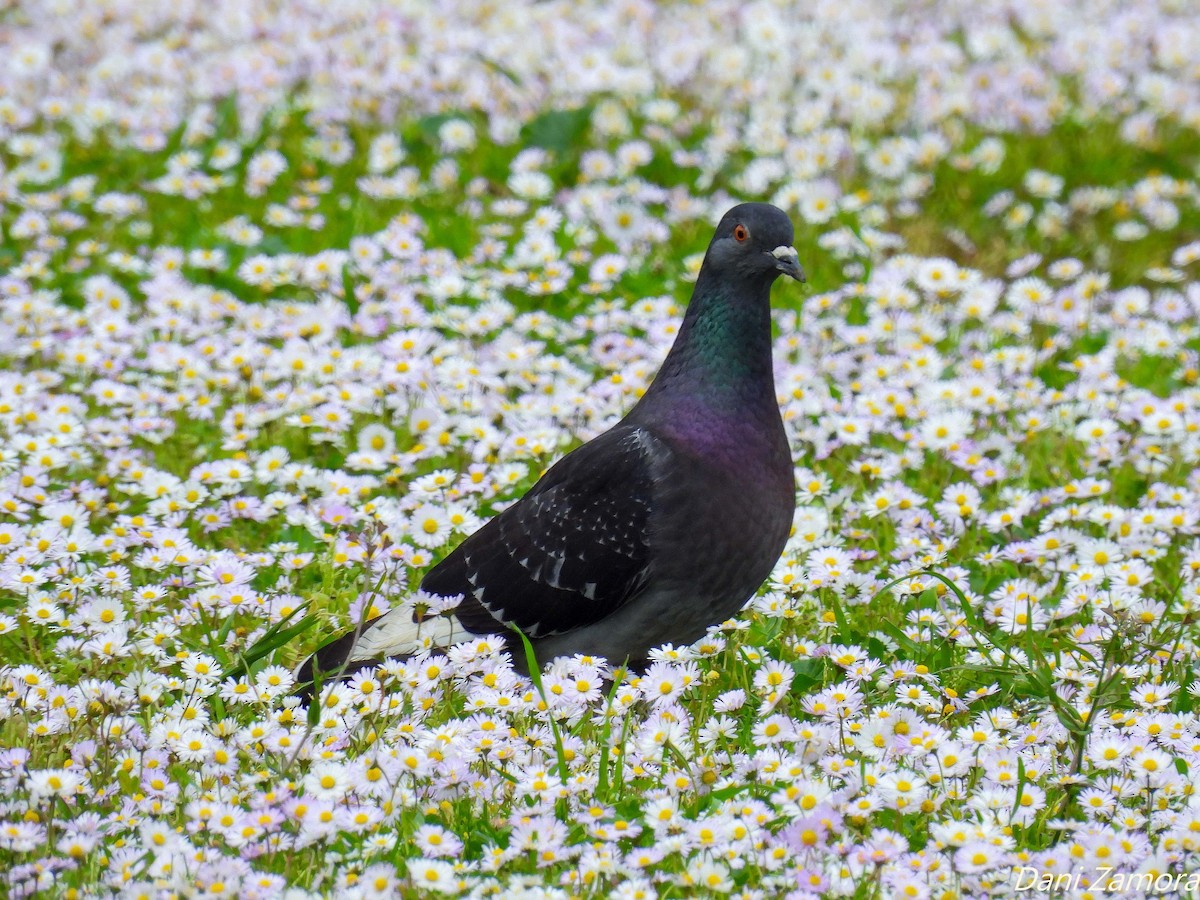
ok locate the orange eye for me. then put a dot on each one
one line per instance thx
(740, 233)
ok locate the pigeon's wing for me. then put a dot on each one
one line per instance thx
(571, 551)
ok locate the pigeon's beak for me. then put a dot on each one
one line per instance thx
(787, 261)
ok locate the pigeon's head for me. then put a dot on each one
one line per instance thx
(755, 241)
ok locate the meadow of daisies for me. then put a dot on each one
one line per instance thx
(293, 296)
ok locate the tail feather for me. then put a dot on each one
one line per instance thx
(394, 634)
(333, 661)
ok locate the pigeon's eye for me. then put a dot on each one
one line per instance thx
(741, 233)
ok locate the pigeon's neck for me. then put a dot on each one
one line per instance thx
(722, 354)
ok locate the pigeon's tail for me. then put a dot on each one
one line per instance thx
(333, 662)
(395, 635)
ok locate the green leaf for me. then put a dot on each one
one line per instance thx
(275, 637)
(605, 740)
(1021, 782)
(729, 792)
(348, 290)
(558, 130)
(535, 675)
(809, 674)
(218, 645)
(314, 708)
(843, 623)
(896, 633)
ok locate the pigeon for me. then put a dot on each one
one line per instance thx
(650, 533)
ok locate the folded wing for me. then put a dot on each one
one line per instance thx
(572, 551)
